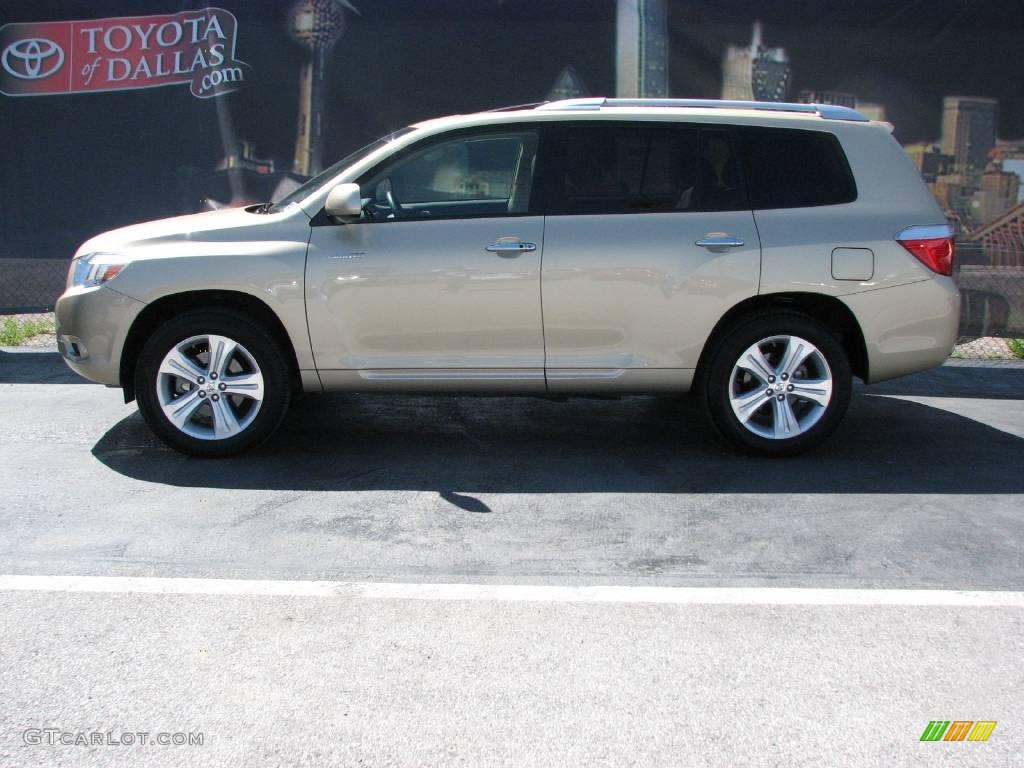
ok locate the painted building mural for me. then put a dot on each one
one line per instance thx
(117, 112)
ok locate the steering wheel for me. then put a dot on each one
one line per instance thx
(396, 207)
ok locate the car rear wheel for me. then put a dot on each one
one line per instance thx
(212, 383)
(778, 384)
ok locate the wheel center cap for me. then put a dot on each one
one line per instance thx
(779, 387)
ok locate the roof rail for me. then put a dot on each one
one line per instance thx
(595, 102)
(516, 107)
(825, 111)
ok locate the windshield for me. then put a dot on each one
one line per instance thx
(321, 178)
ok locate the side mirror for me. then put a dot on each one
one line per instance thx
(344, 201)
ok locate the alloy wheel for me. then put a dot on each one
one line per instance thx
(780, 387)
(210, 387)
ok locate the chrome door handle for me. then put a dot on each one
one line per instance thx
(720, 241)
(510, 248)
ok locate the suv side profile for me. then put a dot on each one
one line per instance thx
(759, 254)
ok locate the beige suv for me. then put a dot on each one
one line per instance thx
(761, 254)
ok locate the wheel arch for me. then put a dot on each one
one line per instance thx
(167, 307)
(828, 310)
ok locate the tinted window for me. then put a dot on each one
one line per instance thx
(645, 168)
(788, 168)
(720, 182)
(627, 169)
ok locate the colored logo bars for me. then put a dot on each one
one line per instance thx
(958, 730)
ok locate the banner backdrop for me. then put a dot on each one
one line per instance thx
(116, 112)
(40, 59)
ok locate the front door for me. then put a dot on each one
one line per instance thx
(439, 284)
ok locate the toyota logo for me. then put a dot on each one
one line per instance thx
(32, 58)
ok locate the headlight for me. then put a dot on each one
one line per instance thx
(95, 269)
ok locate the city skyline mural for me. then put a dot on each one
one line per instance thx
(313, 79)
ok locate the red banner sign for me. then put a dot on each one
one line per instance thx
(116, 54)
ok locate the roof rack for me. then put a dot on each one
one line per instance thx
(825, 111)
(516, 107)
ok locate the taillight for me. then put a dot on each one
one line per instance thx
(933, 247)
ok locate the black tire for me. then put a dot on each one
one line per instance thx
(268, 353)
(716, 383)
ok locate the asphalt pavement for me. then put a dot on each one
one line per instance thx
(922, 488)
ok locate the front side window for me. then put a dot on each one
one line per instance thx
(643, 168)
(482, 175)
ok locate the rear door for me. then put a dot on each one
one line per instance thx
(648, 241)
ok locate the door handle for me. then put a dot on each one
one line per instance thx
(719, 241)
(509, 249)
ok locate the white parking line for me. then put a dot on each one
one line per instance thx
(516, 593)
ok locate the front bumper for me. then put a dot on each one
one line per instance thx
(92, 325)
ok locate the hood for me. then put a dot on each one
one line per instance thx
(227, 225)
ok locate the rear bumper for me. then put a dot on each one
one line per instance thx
(92, 324)
(907, 328)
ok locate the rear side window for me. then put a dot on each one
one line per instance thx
(788, 168)
(641, 168)
(628, 169)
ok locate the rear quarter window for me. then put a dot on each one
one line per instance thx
(792, 168)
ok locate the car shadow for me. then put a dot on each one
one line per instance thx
(33, 366)
(459, 446)
(1002, 381)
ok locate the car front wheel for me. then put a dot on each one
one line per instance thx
(778, 384)
(212, 383)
